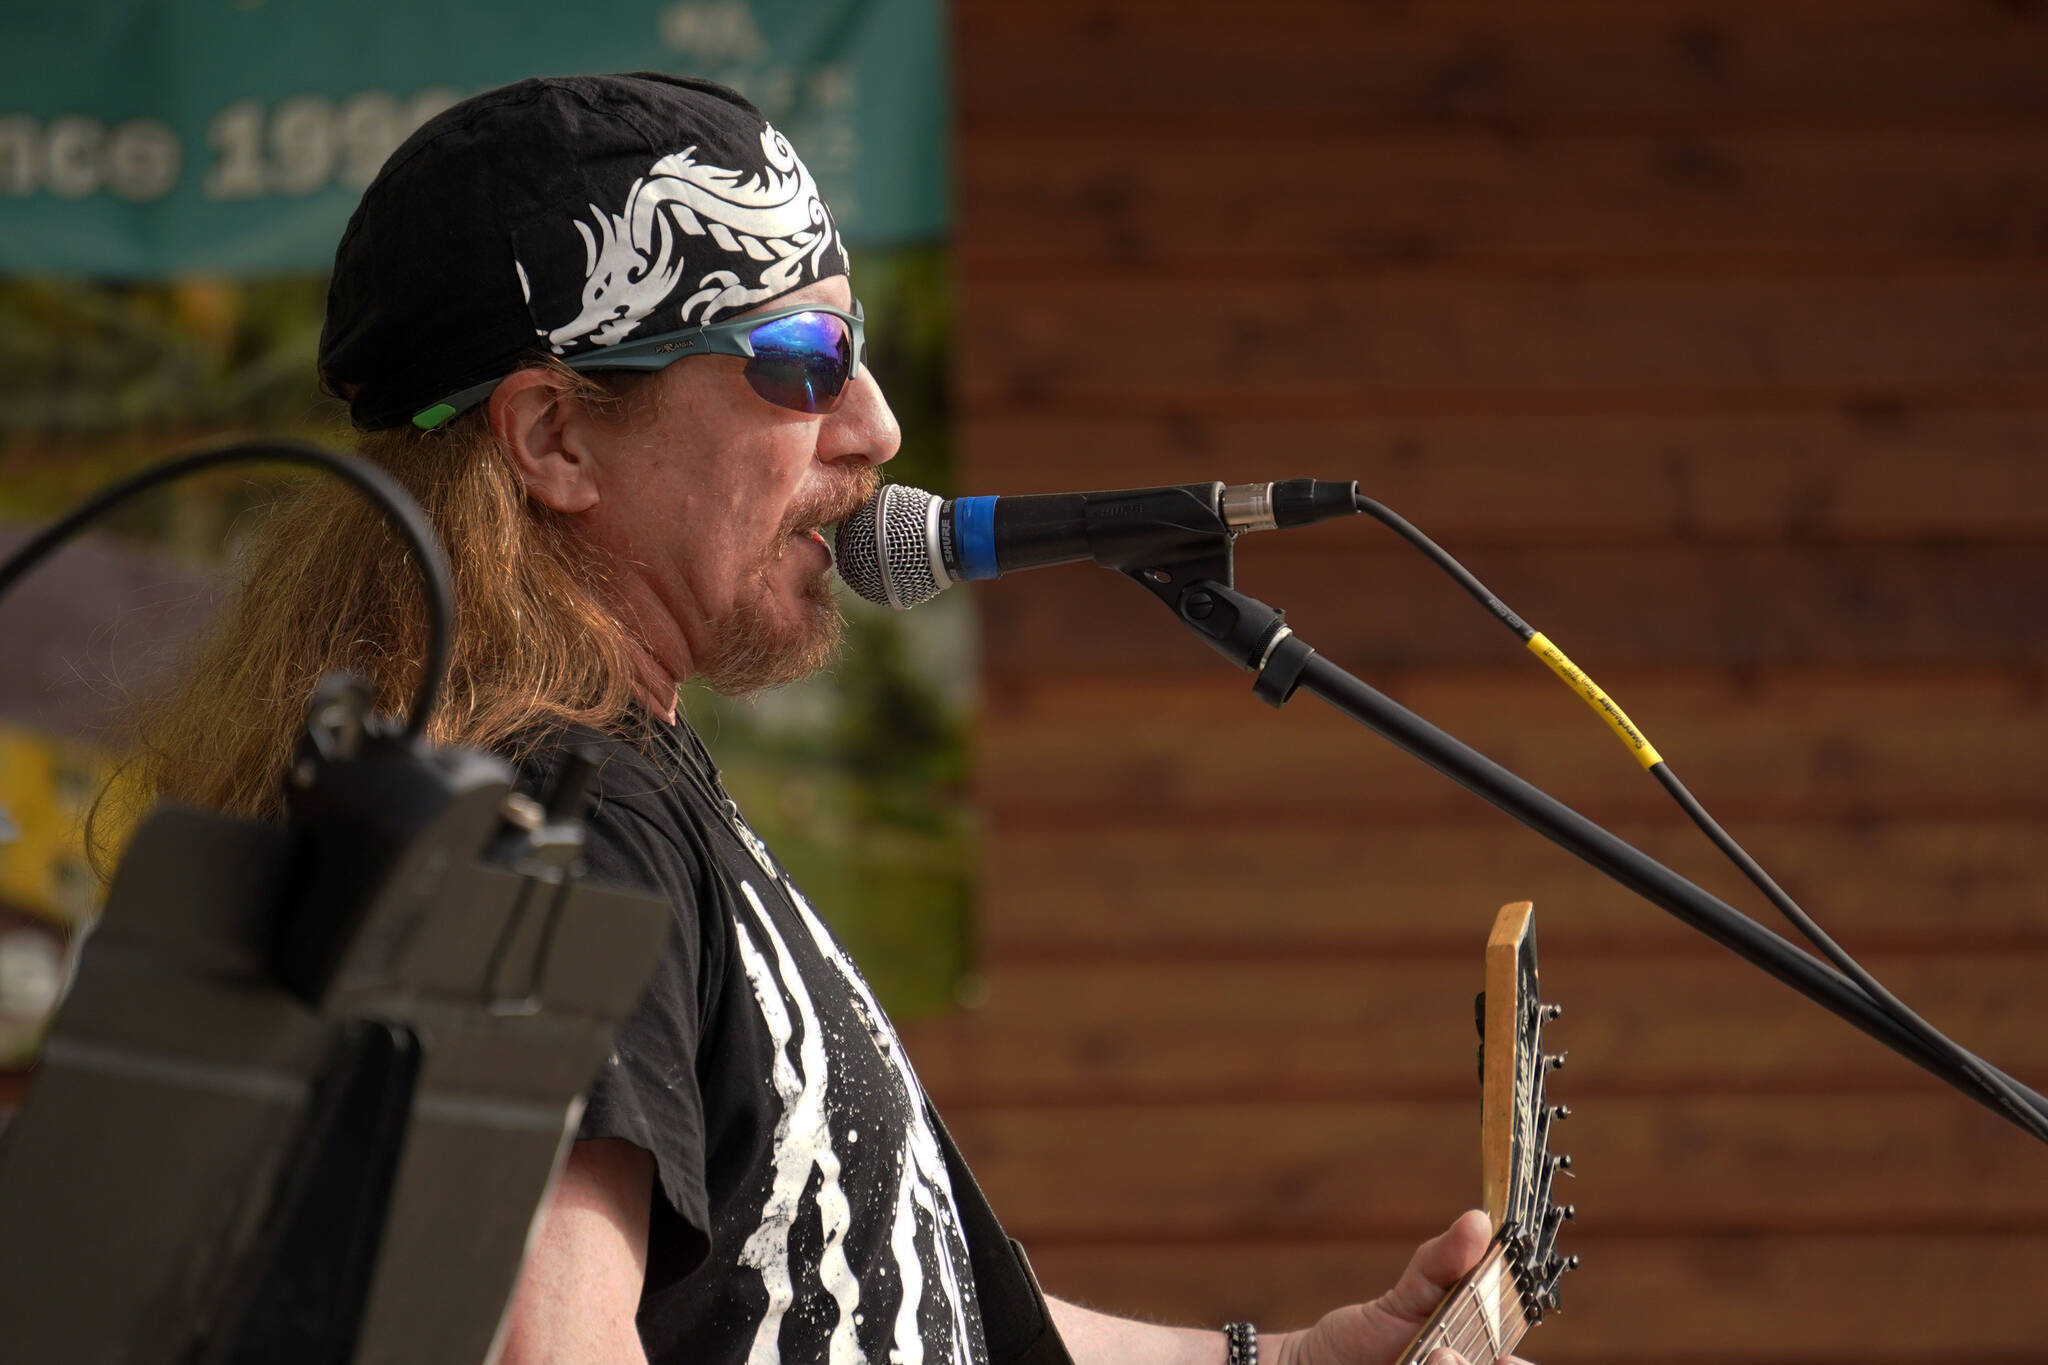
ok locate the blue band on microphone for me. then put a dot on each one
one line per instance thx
(974, 530)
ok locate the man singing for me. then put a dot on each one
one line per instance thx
(756, 1177)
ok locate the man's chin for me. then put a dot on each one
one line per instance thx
(762, 644)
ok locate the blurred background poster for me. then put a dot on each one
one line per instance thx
(173, 179)
(150, 140)
(1712, 334)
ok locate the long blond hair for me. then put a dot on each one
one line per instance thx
(327, 584)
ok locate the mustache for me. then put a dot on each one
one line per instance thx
(828, 506)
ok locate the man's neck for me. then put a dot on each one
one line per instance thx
(656, 685)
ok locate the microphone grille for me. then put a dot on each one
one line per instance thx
(884, 549)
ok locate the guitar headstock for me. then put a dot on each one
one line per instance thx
(1518, 1170)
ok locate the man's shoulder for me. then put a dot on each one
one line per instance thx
(640, 803)
(628, 766)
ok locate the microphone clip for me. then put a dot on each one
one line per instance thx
(1248, 632)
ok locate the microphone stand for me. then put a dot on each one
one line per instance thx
(1197, 588)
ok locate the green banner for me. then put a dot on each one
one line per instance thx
(147, 138)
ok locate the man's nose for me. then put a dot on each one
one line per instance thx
(862, 427)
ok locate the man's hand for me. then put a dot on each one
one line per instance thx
(1376, 1333)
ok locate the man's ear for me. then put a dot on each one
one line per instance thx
(545, 432)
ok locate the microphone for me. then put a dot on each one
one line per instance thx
(906, 546)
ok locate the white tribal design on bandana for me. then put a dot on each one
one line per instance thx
(769, 224)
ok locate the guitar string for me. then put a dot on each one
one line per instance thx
(1455, 1337)
(1511, 1337)
(1473, 1315)
(1469, 1316)
(1481, 1337)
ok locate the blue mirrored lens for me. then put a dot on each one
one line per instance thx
(802, 361)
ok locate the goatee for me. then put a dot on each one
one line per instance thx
(752, 647)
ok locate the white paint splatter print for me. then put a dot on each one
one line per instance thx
(908, 1348)
(803, 1143)
(923, 1222)
(926, 1166)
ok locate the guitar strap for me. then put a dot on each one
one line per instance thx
(1015, 1322)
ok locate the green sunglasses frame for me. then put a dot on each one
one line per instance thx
(658, 352)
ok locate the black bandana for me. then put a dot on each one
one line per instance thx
(562, 216)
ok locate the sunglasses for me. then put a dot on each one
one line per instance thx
(800, 358)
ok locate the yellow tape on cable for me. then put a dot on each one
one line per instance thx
(1616, 718)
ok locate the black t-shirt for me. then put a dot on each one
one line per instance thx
(804, 1212)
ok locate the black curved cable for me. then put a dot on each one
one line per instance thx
(1987, 1078)
(2024, 1113)
(1437, 555)
(381, 489)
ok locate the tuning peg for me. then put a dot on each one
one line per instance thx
(1562, 1163)
(1560, 1113)
(1568, 1211)
(1554, 1061)
(1554, 1270)
(1552, 1011)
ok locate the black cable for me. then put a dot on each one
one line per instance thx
(1993, 1083)
(1742, 935)
(1973, 1066)
(381, 489)
(1403, 528)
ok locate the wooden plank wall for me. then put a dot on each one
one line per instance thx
(1713, 334)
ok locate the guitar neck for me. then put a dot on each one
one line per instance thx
(1481, 1319)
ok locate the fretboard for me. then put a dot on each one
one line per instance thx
(1481, 1319)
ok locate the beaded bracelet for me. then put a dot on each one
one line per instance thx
(1241, 1342)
